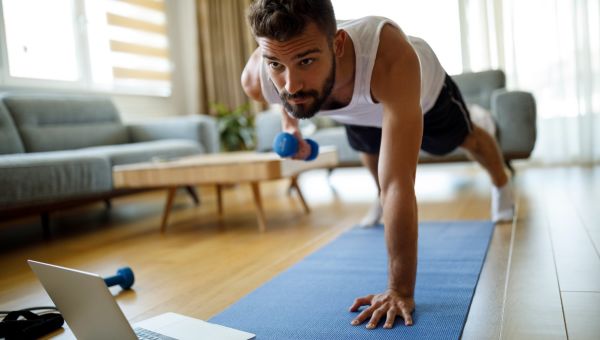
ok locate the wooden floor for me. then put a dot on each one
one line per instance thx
(541, 278)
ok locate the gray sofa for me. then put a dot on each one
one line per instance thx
(514, 113)
(60, 149)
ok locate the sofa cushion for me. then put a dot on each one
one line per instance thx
(145, 151)
(10, 142)
(477, 88)
(44, 176)
(65, 122)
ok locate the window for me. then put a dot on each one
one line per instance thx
(41, 43)
(436, 21)
(106, 45)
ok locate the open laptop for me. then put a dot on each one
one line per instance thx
(91, 311)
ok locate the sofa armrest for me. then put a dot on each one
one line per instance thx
(515, 114)
(200, 128)
(208, 131)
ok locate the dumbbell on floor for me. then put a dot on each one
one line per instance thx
(286, 145)
(123, 278)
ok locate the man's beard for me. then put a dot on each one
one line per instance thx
(307, 110)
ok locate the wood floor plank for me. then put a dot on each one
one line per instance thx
(485, 315)
(533, 309)
(582, 313)
(577, 260)
(584, 191)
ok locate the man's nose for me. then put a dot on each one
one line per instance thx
(293, 83)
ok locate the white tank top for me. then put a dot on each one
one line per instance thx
(362, 110)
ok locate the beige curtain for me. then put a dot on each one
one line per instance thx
(225, 45)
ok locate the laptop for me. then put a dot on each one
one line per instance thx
(91, 312)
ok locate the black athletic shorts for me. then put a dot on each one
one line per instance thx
(445, 125)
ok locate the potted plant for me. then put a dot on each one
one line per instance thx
(236, 127)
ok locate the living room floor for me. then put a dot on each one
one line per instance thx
(541, 277)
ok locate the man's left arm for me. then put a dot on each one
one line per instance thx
(398, 90)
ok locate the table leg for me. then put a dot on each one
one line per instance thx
(220, 199)
(193, 194)
(295, 185)
(170, 197)
(260, 214)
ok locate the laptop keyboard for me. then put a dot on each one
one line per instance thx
(144, 334)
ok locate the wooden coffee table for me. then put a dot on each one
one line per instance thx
(219, 169)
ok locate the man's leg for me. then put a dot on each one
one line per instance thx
(482, 147)
(370, 161)
(448, 125)
(374, 214)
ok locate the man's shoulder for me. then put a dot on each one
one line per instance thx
(251, 82)
(393, 42)
(396, 62)
(394, 49)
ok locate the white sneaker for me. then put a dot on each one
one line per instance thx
(503, 203)
(373, 217)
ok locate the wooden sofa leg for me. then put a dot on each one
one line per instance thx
(45, 217)
(329, 173)
(108, 204)
(193, 194)
(510, 167)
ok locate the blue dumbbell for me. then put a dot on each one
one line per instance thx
(286, 145)
(124, 278)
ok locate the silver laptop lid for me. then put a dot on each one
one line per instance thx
(84, 301)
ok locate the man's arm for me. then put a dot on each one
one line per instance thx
(290, 125)
(400, 145)
(251, 77)
(396, 85)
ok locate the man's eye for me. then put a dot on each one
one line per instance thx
(307, 61)
(275, 65)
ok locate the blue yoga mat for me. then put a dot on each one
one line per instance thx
(311, 299)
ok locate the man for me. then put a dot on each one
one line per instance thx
(394, 98)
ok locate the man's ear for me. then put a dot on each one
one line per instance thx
(339, 41)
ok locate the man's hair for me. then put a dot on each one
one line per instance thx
(284, 19)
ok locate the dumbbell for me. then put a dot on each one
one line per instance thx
(124, 278)
(286, 145)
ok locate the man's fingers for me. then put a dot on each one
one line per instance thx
(380, 308)
(364, 315)
(406, 315)
(376, 316)
(366, 300)
(391, 317)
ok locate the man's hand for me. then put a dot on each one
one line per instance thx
(290, 125)
(388, 304)
(303, 146)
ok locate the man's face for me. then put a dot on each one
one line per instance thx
(302, 70)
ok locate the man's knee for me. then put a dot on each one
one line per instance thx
(369, 158)
(471, 141)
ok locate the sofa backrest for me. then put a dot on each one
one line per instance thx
(10, 142)
(477, 87)
(64, 122)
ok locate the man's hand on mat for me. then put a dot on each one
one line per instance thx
(388, 304)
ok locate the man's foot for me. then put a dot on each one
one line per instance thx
(503, 203)
(373, 217)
